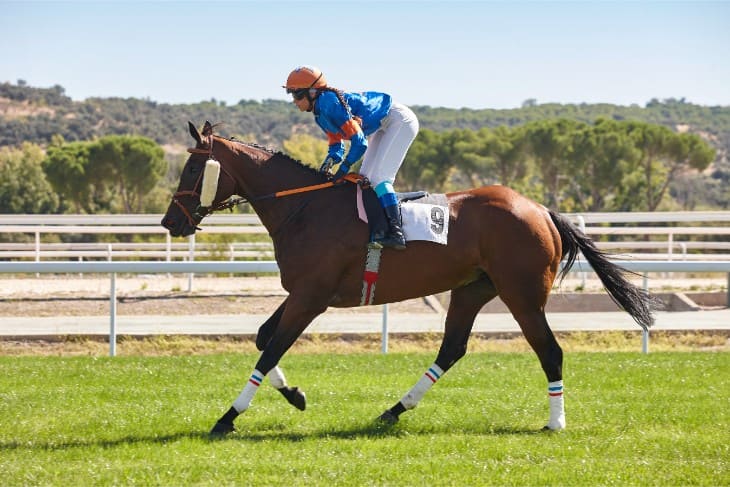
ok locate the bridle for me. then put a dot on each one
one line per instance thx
(201, 212)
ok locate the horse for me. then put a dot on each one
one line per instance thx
(500, 243)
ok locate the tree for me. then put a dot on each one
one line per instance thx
(475, 160)
(430, 160)
(23, 184)
(663, 155)
(550, 145)
(65, 166)
(497, 155)
(111, 174)
(600, 155)
(306, 148)
(131, 165)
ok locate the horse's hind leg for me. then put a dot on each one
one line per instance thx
(293, 395)
(536, 330)
(465, 304)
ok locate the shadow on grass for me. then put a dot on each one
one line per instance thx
(51, 445)
(376, 430)
(372, 430)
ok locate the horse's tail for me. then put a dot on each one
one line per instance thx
(635, 301)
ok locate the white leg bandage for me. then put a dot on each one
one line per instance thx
(243, 401)
(414, 396)
(276, 377)
(557, 405)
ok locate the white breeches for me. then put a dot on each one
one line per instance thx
(387, 147)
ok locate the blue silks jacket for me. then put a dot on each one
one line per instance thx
(367, 109)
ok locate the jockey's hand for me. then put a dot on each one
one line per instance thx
(327, 165)
(341, 172)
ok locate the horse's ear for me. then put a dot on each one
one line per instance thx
(207, 129)
(194, 132)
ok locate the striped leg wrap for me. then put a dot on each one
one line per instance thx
(244, 399)
(414, 396)
(557, 405)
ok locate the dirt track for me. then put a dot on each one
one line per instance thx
(160, 294)
(153, 295)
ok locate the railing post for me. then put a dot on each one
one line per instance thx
(384, 339)
(38, 250)
(168, 247)
(670, 245)
(113, 315)
(191, 257)
(582, 226)
(645, 332)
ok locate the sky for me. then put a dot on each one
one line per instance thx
(472, 54)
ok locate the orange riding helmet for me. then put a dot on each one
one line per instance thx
(305, 77)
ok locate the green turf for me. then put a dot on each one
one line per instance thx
(657, 419)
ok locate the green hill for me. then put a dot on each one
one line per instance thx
(36, 115)
(29, 114)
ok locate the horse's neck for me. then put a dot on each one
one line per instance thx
(266, 172)
(263, 174)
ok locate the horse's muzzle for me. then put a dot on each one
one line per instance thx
(178, 228)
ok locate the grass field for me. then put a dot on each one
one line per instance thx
(633, 419)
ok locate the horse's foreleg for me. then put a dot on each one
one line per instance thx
(266, 331)
(296, 316)
(463, 308)
(295, 397)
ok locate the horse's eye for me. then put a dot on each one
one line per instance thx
(194, 169)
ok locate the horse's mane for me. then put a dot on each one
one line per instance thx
(272, 152)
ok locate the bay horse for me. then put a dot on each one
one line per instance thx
(500, 243)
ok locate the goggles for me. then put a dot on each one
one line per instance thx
(297, 93)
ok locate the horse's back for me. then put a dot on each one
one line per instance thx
(512, 232)
(491, 210)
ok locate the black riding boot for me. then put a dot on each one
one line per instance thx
(394, 238)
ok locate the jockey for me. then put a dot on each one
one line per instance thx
(390, 127)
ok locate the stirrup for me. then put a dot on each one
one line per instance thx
(392, 242)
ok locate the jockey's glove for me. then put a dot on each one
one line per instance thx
(327, 165)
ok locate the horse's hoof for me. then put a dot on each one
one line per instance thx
(222, 429)
(295, 397)
(388, 418)
(552, 430)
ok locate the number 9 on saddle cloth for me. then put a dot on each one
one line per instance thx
(425, 216)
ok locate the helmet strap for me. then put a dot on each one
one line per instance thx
(315, 81)
(312, 95)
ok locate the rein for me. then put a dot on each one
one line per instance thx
(202, 212)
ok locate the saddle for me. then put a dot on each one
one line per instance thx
(377, 221)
